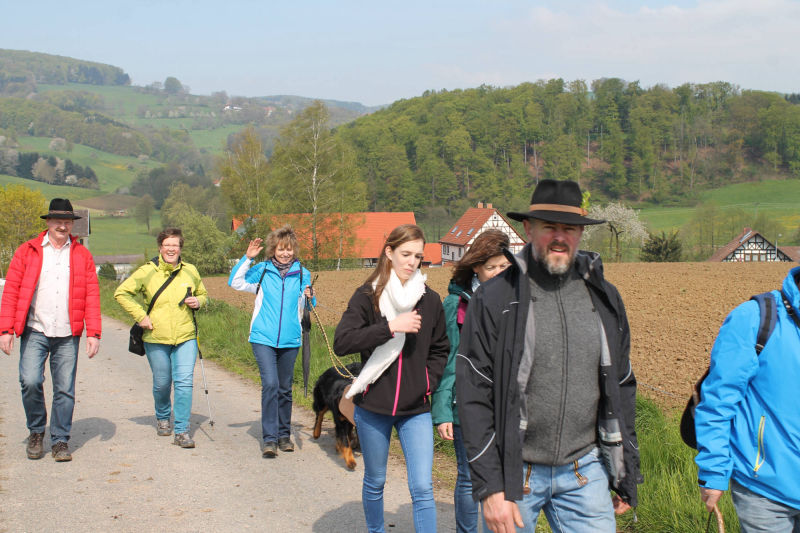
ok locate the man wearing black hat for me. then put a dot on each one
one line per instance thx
(545, 387)
(51, 290)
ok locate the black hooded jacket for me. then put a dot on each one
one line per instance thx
(488, 366)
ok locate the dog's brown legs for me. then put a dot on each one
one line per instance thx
(318, 423)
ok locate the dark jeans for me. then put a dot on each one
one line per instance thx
(276, 366)
(34, 350)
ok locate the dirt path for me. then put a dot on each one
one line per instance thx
(125, 478)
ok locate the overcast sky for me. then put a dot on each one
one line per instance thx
(376, 52)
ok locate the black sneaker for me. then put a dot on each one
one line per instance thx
(34, 449)
(285, 444)
(269, 449)
(61, 452)
(183, 440)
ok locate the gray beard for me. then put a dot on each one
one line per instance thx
(552, 269)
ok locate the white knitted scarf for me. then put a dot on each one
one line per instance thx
(395, 299)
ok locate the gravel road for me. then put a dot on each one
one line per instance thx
(125, 478)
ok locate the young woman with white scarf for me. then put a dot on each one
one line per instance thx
(397, 324)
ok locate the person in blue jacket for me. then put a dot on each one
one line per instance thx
(748, 422)
(281, 285)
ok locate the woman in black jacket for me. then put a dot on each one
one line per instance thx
(397, 324)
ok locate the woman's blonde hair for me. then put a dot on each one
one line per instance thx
(285, 236)
(399, 236)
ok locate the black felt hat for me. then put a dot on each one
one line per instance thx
(61, 208)
(557, 201)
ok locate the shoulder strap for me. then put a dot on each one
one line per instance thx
(768, 317)
(261, 278)
(790, 309)
(164, 286)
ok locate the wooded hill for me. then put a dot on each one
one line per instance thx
(649, 146)
(20, 71)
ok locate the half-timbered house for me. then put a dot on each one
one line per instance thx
(472, 223)
(749, 246)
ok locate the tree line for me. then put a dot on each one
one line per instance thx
(658, 145)
(21, 70)
(47, 169)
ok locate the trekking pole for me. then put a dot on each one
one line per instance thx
(200, 354)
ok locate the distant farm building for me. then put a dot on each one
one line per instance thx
(472, 223)
(358, 236)
(82, 228)
(123, 264)
(751, 246)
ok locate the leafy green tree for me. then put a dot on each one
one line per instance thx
(144, 210)
(315, 170)
(205, 246)
(20, 208)
(246, 176)
(661, 249)
(172, 85)
(107, 271)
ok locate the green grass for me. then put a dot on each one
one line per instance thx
(122, 235)
(778, 198)
(111, 169)
(50, 191)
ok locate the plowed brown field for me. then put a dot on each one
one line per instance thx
(674, 309)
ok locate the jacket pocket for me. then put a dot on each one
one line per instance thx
(760, 446)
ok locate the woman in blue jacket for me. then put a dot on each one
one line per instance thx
(281, 285)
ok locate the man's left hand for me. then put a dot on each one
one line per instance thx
(92, 346)
(620, 505)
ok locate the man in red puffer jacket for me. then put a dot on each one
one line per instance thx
(50, 292)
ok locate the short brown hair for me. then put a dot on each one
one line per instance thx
(488, 244)
(166, 233)
(284, 235)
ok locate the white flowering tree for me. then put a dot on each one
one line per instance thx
(623, 226)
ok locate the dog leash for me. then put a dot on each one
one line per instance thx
(336, 362)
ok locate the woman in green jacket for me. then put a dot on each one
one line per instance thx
(169, 336)
(483, 261)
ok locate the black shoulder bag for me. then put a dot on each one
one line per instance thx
(136, 343)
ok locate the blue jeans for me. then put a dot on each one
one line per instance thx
(276, 366)
(758, 513)
(34, 349)
(568, 505)
(173, 366)
(416, 438)
(466, 507)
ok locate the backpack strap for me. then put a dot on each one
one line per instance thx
(790, 309)
(768, 317)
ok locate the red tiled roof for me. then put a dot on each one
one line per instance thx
(467, 227)
(370, 231)
(433, 253)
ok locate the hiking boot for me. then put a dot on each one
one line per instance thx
(183, 440)
(285, 444)
(61, 452)
(163, 428)
(34, 449)
(269, 449)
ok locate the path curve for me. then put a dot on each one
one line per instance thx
(125, 478)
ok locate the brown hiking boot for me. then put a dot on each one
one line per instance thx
(285, 444)
(61, 452)
(183, 440)
(34, 449)
(163, 429)
(269, 449)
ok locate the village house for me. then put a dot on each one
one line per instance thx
(472, 223)
(751, 246)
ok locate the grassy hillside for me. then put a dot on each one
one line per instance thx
(778, 199)
(113, 171)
